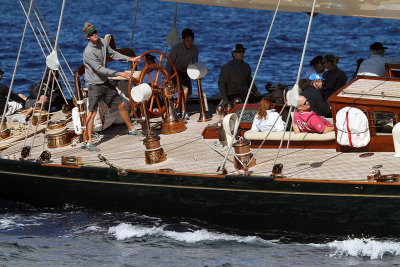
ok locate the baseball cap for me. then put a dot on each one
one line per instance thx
(377, 46)
(239, 47)
(316, 77)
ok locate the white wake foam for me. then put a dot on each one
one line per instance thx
(124, 231)
(364, 247)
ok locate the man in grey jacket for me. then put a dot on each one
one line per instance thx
(96, 79)
(235, 78)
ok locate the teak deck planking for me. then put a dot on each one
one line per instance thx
(188, 152)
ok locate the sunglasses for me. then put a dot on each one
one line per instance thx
(240, 52)
(93, 33)
(305, 103)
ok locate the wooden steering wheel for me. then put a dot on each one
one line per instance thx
(158, 78)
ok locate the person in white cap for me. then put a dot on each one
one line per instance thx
(375, 64)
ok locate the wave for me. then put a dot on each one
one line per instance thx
(125, 231)
(15, 221)
(363, 247)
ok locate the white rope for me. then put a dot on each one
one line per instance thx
(297, 81)
(59, 25)
(15, 67)
(251, 86)
(280, 144)
(305, 42)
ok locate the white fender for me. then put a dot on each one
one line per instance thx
(197, 70)
(229, 123)
(76, 120)
(141, 93)
(396, 140)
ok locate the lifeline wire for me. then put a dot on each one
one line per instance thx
(269, 132)
(15, 68)
(251, 86)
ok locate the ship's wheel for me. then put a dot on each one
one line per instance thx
(158, 78)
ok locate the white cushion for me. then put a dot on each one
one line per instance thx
(294, 137)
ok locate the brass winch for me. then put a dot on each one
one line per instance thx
(4, 132)
(36, 118)
(154, 153)
(57, 135)
(243, 155)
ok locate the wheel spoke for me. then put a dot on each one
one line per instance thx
(158, 103)
(160, 60)
(164, 82)
(151, 80)
(151, 103)
(158, 74)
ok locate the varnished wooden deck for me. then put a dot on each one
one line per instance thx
(188, 152)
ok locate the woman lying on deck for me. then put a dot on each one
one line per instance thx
(266, 117)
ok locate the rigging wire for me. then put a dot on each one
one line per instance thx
(134, 23)
(296, 87)
(48, 44)
(15, 67)
(65, 60)
(221, 167)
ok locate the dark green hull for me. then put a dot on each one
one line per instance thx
(242, 202)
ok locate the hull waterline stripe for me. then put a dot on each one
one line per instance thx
(201, 188)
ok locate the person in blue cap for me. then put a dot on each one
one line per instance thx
(314, 96)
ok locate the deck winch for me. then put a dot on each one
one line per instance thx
(57, 135)
(39, 119)
(243, 155)
(5, 132)
(154, 153)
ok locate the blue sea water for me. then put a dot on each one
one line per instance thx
(76, 236)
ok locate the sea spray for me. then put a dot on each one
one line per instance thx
(125, 231)
(364, 247)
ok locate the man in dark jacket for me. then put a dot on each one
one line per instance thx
(314, 96)
(235, 78)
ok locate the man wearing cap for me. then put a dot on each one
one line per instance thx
(235, 78)
(12, 106)
(181, 56)
(314, 96)
(375, 64)
(96, 78)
